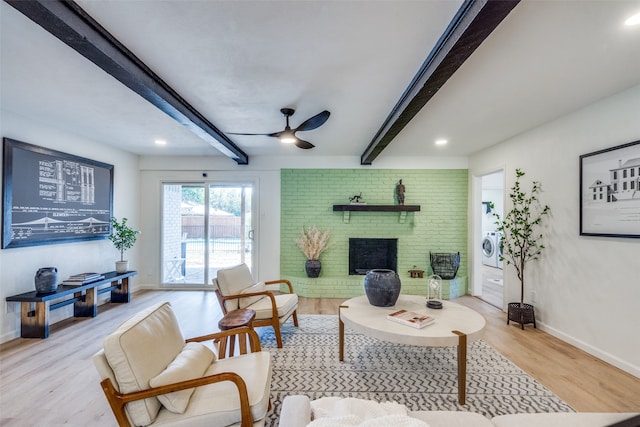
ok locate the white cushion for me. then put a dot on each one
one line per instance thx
(295, 411)
(219, 404)
(232, 281)
(285, 304)
(336, 411)
(103, 368)
(138, 350)
(258, 287)
(191, 363)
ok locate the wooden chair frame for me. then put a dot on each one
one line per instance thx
(275, 320)
(118, 400)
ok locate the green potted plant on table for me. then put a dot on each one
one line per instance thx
(312, 242)
(123, 238)
(521, 243)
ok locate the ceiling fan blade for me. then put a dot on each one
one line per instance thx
(303, 144)
(314, 122)
(274, 134)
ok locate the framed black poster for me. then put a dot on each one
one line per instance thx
(52, 197)
(610, 192)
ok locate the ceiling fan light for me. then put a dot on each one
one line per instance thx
(288, 137)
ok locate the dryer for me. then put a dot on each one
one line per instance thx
(489, 249)
(499, 249)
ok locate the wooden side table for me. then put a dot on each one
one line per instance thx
(235, 319)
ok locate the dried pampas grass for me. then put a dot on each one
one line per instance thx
(313, 242)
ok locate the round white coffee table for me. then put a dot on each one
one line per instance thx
(455, 324)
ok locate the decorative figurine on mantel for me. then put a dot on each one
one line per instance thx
(400, 192)
(357, 199)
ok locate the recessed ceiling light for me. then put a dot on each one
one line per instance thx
(160, 142)
(634, 20)
(441, 142)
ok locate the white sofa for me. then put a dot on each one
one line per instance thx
(296, 412)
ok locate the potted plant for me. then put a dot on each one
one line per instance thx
(123, 238)
(313, 242)
(521, 242)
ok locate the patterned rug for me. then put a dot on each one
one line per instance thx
(422, 378)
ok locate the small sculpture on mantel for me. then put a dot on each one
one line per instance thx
(400, 192)
(357, 199)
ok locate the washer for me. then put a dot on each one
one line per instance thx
(489, 249)
(499, 249)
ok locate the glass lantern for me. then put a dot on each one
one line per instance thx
(434, 292)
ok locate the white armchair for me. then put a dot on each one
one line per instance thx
(151, 375)
(235, 288)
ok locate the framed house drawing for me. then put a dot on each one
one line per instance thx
(610, 192)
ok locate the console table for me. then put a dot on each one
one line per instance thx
(35, 307)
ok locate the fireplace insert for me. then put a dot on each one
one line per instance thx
(368, 254)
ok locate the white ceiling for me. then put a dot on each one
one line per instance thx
(239, 62)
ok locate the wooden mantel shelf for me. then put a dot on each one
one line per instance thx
(376, 208)
(403, 209)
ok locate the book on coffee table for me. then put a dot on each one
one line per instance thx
(411, 318)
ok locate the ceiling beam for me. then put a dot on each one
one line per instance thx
(72, 25)
(473, 23)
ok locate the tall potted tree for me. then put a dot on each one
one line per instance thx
(123, 238)
(522, 242)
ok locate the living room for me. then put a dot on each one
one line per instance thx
(585, 287)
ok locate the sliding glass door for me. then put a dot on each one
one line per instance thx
(205, 227)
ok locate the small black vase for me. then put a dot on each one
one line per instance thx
(313, 267)
(382, 287)
(46, 280)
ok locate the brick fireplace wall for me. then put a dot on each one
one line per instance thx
(308, 196)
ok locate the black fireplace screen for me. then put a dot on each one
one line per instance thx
(368, 254)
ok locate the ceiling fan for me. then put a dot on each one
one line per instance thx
(288, 135)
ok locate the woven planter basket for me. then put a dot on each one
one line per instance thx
(521, 313)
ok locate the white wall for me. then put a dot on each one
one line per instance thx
(19, 265)
(265, 171)
(587, 288)
(492, 191)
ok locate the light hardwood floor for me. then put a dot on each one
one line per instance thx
(53, 382)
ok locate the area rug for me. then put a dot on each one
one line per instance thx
(422, 378)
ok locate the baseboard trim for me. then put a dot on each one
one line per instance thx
(594, 351)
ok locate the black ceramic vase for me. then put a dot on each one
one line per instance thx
(313, 267)
(46, 280)
(382, 287)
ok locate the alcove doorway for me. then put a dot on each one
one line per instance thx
(492, 288)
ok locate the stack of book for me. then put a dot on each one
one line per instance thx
(82, 279)
(411, 318)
